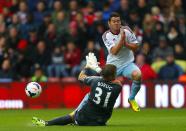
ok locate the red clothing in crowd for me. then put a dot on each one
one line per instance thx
(147, 72)
(72, 58)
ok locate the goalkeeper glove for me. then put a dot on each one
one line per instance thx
(91, 62)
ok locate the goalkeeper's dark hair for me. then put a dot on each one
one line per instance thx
(109, 72)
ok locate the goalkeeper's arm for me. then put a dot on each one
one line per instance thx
(82, 75)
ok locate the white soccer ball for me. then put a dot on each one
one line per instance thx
(33, 89)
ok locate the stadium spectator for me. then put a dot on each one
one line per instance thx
(22, 67)
(13, 38)
(156, 13)
(2, 48)
(162, 50)
(170, 71)
(173, 36)
(181, 25)
(75, 35)
(124, 10)
(57, 7)
(106, 11)
(51, 36)
(90, 48)
(61, 23)
(146, 50)
(3, 28)
(89, 14)
(14, 21)
(142, 8)
(22, 13)
(148, 25)
(179, 52)
(82, 26)
(14, 6)
(147, 72)
(39, 14)
(33, 38)
(38, 75)
(43, 27)
(6, 72)
(134, 18)
(157, 33)
(72, 58)
(57, 68)
(40, 55)
(73, 9)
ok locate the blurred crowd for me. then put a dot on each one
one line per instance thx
(46, 39)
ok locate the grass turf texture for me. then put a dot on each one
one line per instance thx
(122, 119)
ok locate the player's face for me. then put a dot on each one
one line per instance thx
(115, 23)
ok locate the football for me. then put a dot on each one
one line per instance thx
(33, 89)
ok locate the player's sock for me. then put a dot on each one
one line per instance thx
(135, 88)
(60, 121)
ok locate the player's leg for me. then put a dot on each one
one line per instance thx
(131, 71)
(64, 120)
(68, 119)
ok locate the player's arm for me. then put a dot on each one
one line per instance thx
(82, 75)
(86, 79)
(132, 42)
(122, 42)
(131, 46)
(115, 49)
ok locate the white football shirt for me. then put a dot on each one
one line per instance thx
(125, 55)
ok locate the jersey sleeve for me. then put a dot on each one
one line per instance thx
(109, 43)
(130, 37)
(89, 80)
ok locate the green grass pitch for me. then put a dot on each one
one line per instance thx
(122, 120)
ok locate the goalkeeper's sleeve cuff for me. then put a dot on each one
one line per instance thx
(98, 69)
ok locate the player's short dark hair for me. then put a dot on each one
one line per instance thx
(114, 14)
(109, 72)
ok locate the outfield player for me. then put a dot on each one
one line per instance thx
(121, 42)
(101, 99)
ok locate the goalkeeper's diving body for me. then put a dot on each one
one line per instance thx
(98, 109)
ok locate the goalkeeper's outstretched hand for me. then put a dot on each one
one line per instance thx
(91, 62)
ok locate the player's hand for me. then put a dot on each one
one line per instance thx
(91, 62)
(123, 36)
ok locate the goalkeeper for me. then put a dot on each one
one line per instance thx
(98, 108)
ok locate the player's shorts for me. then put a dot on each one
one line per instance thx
(127, 70)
